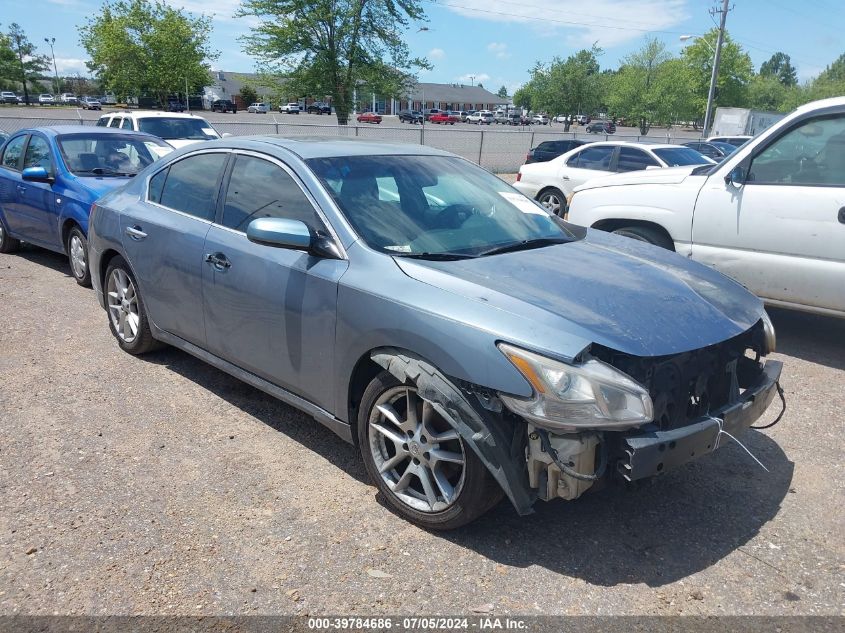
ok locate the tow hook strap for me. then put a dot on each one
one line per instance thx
(722, 432)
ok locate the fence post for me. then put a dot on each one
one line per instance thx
(276, 123)
(532, 139)
(422, 133)
(356, 130)
(480, 147)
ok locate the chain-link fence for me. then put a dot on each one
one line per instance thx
(500, 150)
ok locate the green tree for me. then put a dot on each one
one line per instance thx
(635, 92)
(522, 97)
(140, 47)
(780, 66)
(767, 92)
(573, 85)
(29, 66)
(8, 63)
(735, 71)
(249, 94)
(502, 92)
(335, 47)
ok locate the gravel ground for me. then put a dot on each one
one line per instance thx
(159, 485)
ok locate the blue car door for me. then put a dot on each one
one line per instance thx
(163, 236)
(36, 200)
(270, 310)
(10, 183)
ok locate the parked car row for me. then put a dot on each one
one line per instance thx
(471, 344)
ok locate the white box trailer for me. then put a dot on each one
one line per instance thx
(742, 121)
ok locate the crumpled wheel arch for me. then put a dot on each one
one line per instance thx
(498, 442)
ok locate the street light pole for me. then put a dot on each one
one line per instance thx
(51, 41)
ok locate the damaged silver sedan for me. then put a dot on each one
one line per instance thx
(469, 343)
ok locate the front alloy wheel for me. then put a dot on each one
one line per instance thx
(418, 460)
(419, 456)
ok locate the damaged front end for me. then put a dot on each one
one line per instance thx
(613, 415)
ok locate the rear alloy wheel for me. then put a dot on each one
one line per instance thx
(647, 234)
(77, 252)
(127, 314)
(8, 244)
(418, 460)
(553, 200)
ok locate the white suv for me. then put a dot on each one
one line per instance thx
(771, 215)
(290, 108)
(177, 128)
(258, 108)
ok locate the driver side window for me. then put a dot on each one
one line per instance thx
(812, 153)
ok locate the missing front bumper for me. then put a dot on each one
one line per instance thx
(655, 452)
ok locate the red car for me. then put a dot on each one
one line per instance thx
(444, 118)
(369, 117)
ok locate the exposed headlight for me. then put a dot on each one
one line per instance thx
(769, 331)
(591, 395)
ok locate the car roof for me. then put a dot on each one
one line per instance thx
(636, 144)
(153, 113)
(66, 130)
(326, 147)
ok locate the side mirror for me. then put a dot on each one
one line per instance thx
(290, 234)
(36, 174)
(737, 176)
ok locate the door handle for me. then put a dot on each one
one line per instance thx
(21, 188)
(135, 233)
(218, 260)
(842, 215)
(566, 177)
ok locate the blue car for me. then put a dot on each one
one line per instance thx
(50, 177)
(471, 344)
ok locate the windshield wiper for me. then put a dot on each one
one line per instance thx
(538, 242)
(436, 257)
(103, 171)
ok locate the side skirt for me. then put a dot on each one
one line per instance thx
(342, 429)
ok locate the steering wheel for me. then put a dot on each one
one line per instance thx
(454, 216)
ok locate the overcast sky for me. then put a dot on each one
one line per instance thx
(496, 41)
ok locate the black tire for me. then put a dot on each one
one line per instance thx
(143, 341)
(545, 198)
(478, 493)
(647, 234)
(8, 244)
(82, 274)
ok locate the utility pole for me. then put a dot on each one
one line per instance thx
(52, 41)
(708, 115)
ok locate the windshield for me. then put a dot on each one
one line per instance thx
(433, 205)
(178, 128)
(677, 156)
(110, 154)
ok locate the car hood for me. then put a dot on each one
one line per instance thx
(96, 187)
(662, 176)
(626, 295)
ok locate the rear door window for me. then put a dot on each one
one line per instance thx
(597, 158)
(192, 185)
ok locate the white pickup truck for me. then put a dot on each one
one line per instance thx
(771, 215)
